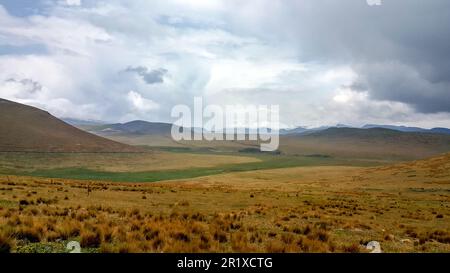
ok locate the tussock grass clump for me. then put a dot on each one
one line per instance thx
(306, 244)
(319, 235)
(441, 236)
(352, 248)
(30, 234)
(90, 239)
(275, 246)
(68, 229)
(150, 232)
(13, 220)
(25, 202)
(181, 236)
(6, 243)
(220, 236)
(240, 243)
(135, 226)
(287, 238)
(204, 242)
(82, 215)
(46, 201)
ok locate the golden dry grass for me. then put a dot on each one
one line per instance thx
(312, 209)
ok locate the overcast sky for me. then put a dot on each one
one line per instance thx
(323, 61)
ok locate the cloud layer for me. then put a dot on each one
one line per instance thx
(324, 62)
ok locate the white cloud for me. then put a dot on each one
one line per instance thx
(201, 4)
(346, 96)
(73, 2)
(70, 36)
(337, 74)
(229, 74)
(140, 103)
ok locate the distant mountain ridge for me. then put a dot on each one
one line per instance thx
(304, 130)
(408, 129)
(141, 127)
(335, 141)
(136, 127)
(82, 122)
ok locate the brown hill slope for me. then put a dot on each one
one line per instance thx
(28, 129)
(377, 143)
(430, 170)
(421, 176)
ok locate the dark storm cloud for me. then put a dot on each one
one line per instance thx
(150, 77)
(400, 50)
(29, 85)
(405, 83)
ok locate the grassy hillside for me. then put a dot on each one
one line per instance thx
(374, 143)
(25, 128)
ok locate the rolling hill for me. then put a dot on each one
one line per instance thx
(374, 143)
(136, 127)
(437, 167)
(136, 132)
(29, 129)
(436, 130)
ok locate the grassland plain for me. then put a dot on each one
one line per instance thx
(155, 165)
(152, 160)
(300, 209)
